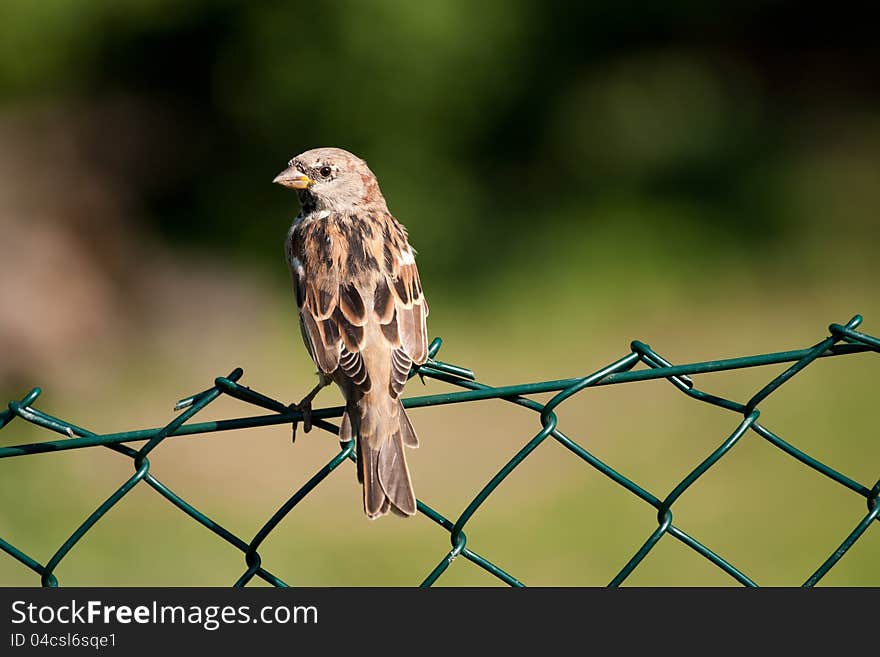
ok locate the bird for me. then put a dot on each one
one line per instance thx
(362, 314)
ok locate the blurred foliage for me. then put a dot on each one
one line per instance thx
(709, 122)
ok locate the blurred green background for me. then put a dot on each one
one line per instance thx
(701, 176)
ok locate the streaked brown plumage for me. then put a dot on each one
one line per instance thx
(362, 312)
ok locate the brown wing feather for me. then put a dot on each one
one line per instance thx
(400, 365)
(353, 366)
(317, 297)
(322, 340)
(411, 312)
(383, 301)
(351, 303)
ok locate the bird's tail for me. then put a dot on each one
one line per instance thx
(382, 429)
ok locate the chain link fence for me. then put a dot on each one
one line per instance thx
(843, 340)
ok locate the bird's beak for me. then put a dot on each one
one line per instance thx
(293, 178)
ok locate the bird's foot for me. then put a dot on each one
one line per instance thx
(304, 407)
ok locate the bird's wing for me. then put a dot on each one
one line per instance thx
(401, 308)
(316, 284)
(332, 308)
(317, 302)
(339, 307)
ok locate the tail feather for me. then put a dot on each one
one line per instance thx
(407, 433)
(382, 467)
(346, 432)
(375, 502)
(394, 476)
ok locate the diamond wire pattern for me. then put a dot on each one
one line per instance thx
(843, 339)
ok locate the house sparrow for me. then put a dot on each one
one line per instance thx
(362, 313)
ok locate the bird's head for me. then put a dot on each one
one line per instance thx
(332, 179)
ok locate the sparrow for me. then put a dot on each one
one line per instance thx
(362, 313)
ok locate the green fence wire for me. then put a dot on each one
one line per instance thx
(843, 340)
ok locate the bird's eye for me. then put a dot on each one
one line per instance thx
(325, 172)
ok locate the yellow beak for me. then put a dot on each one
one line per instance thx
(293, 178)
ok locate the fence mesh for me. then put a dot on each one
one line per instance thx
(842, 340)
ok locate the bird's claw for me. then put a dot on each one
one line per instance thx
(305, 408)
(292, 408)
